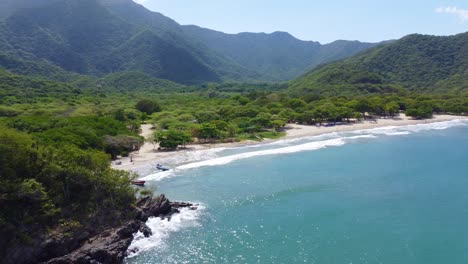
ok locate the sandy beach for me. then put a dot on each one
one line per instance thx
(148, 154)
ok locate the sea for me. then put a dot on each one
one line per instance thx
(386, 195)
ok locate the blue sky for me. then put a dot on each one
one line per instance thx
(324, 21)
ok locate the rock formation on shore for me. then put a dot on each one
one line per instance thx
(110, 246)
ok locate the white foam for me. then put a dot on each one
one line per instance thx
(387, 130)
(408, 129)
(364, 133)
(158, 176)
(163, 228)
(210, 157)
(291, 149)
(286, 142)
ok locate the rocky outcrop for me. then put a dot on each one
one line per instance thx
(110, 246)
(160, 206)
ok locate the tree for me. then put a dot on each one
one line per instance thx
(288, 114)
(120, 115)
(122, 144)
(148, 106)
(263, 120)
(376, 105)
(363, 106)
(296, 104)
(277, 124)
(241, 99)
(345, 113)
(171, 139)
(206, 116)
(246, 125)
(326, 111)
(16, 155)
(209, 131)
(392, 108)
(308, 117)
(420, 112)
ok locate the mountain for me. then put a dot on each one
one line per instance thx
(415, 62)
(130, 81)
(278, 56)
(68, 38)
(85, 37)
(8, 7)
(38, 68)
(16, 88)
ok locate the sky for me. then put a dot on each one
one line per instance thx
(323, 21)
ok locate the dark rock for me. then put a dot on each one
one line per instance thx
(146, 230)
(153, 207)
(99, 240)
(111, 245)
(107, 247)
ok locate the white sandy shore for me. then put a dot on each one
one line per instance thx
(148, 154)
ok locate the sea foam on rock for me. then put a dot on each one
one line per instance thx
(111, 245)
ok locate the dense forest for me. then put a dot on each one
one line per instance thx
(57, 139)
(416, 62)
(71, 101)
(100, 37)
(61, 136)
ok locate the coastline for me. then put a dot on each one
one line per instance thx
(148, 154)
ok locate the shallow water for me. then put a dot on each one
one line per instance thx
(387, 195)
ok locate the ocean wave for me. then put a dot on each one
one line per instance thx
(337, 139)
(387, 131)
(163, 228)
(158, 176)
(397, 133)
(408, 129)
(211, 157)
(286, 142)
(285, 150)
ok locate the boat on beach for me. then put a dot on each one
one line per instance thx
(161, 167)
(138, 183)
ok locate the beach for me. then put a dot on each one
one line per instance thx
(149, 154)
(395, 194)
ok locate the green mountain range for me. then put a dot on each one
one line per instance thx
(418, 63)
(277, 56)
(61, 39)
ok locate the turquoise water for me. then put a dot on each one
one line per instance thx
(396, 195)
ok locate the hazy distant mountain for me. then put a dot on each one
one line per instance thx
(416, 62)
(10, 6)
(278, 56)
(99, 37)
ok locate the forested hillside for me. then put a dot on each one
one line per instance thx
(279, 56)
(416, 62)
(78, 78)
(86, 38)
(100, 37)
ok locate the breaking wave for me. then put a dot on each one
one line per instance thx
(214, 157)
(164, 228)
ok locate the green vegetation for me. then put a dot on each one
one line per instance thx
(171, 139)
(148, 106)
(71, 101)
(277, 56)
(417, 63)
(43, 185)
(64, 40)
(57, 139)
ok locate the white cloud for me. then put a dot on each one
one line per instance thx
(460, 13)
(140, 1)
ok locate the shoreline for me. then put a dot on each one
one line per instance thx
(148, 154)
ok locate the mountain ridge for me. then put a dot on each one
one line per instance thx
(101, 37)
(416, 62)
